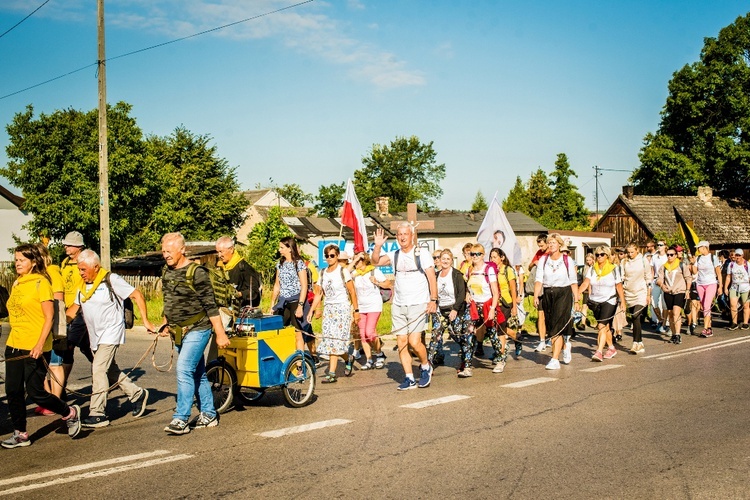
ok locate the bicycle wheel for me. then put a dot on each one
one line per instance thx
(299, 383)
(223, 380)
(248, 395)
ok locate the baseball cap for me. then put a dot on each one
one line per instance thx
(73, 239)
(678, 248)
(739, 252)
(702, 243)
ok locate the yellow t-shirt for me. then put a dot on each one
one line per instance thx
(503, 282)
(56, 277)
(71, 281)
(25, 311)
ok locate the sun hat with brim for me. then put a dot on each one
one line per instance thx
(73, 239)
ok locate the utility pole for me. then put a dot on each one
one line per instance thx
(104, 252)
(598, 173)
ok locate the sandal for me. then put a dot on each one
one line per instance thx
(348, 367)
(367, 366)
(329, 378)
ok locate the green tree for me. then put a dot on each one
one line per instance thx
(567, 209)
(263, 243)
(295, 195)
(518, 198)
(53, 159)
(405, 171)
(480, 203)
(540, 194)
(330, 199)
(704, 133)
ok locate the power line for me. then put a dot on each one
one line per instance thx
(25, 18)
(156, 46)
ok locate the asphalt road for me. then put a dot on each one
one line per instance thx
(671, 423)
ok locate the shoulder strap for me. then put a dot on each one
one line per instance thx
(395, 260)
(112, 295)
(190, 275)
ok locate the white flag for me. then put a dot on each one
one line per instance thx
(495, 232)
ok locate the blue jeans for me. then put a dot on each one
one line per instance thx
(191, 376)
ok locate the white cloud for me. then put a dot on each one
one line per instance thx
(306, 28)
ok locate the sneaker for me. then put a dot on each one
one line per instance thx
(676, 339)
(733, 326)
(204, 420)
(139, 405)
(94, 421)
(177, 427)
(465, 373)
(744, 326)
(17, 440)
(519, 348)
(548, 343)
(567, 353)
(407, 384)
(349, 366)
(597, 356)
(425, 377)
(367, 366)
(74, 422)
(43, 411)
(617, 337)
(380, 361)
(581, 325)
(641, 349)
(611, 353)
(661, 329)
(499, 367)
(318, 362)
(552, 365)
(706, 333)
(541, 346)
(691, 329)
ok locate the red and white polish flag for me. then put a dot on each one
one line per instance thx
(351, 217)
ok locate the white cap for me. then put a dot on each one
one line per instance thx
(702, 243)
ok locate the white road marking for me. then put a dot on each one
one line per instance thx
(707, 348)
(437, 401)
(601, 368)
(303, 428)
(95, 474)
(698, 348)
(531, 381)
(77, 468)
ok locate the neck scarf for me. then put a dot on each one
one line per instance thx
(364, 271)
(236, 258)
(674, 265)
(600, 273)
(86, 294)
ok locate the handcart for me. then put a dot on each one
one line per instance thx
(257, 360)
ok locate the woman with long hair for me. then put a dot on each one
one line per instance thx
(636, 285)
(335, 283)
(707, 270)
(289, 294)
(606, 287)
(589, 263)
(482, 284)
(557, 284)
(506, 283)
(674, 279)
(368, 280)
(30, 312)
(451, 290)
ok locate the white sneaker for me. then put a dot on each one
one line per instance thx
(541, 346)
(567, 354)
(553, 364)
(499, 367)
(640, 349)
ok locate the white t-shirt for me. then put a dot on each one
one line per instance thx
(554, 273)
(706, 265)
(411, 287)
(446, 291)
(478, 286)
(333, 287)
(603, 289)
(740, 277)
(657, 261)
(103, 313)
(368, 293)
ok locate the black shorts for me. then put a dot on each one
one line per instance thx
(604, 312)
(674, 299)
(694, 292)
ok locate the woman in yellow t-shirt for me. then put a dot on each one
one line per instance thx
(30, 312)
(506, 284)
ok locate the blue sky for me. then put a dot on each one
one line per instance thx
(301, 96)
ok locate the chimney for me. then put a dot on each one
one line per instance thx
(381, 206)
(705, 194)
(627, 192)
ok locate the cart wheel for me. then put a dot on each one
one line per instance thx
(248, 395)
(299, 383)
(222, 379)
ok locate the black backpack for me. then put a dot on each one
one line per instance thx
(4, 296)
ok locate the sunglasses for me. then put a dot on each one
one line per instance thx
(660, 245)
(671, 254)
(476, 254)
(331, 256)
(600, 254)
